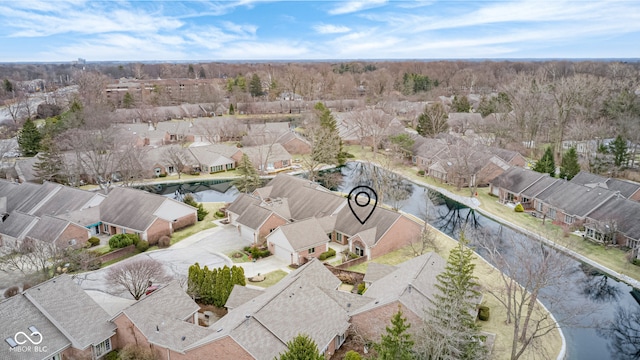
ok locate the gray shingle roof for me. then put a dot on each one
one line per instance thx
(626, 188)
(254, 216)
(29, 204)
(625, 213)
(209, 153)
(67, 305)
(84, 217)
(412, 283)
(265, 323)
(161, 317)
(376, 271)
(240, 295)
(304, 234)
(381, 220)
(18, 314)
(242, 203)
(517, 179)
(586, 178)
(266, 153)
(17, 193)
(305, 198)
(540, 186)
(576, 199)
(66, 199)
(130, 208)
(48, 229)
(16, 224)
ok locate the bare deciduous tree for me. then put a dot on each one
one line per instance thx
(135, 276)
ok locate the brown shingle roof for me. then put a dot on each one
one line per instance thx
(130, 208)
(304, 234)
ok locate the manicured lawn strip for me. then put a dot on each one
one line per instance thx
(206, 223)
(270, 279)
(244, 258)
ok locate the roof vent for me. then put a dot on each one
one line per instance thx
(157, 328)
(219, 329)
(183, 338)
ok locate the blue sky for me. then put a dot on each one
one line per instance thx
(63, 30)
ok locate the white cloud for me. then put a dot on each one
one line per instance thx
(352, 6)
(331, 29)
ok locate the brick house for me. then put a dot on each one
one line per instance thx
(299, 241)
(130, 211)
(57, 310)
(287, 199)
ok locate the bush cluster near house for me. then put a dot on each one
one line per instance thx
(93, 241)
(123, 240)
(256, 253)
(213, 287)
(189, 200)
(327, 254)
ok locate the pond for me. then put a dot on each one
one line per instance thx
(598, 295)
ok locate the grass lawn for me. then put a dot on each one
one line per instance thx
(206, 223)
(111, 262)
(488, 276)
(241, 259)
(270, 279)
(613, 258)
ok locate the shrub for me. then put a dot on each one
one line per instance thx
(636, 262)
(94, 241)
(123, 240)
(12, 291)
(519, 208)
(189, 200)
(164, 241)
(349, 156)
(113, 355)
(26, 286)
(421, 172)
(256, 253)
(163, 175)
(327, 254)
(361, 288)
(483, 313)
(353, 255)
(136, 352)
(220, 214)
(350, 355)
(142, 246)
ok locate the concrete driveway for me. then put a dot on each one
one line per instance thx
(209, 247)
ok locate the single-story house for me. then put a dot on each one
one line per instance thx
(52, 318)
(216, 158)
(150, 216)
(628, 189)
(299, 241)
(268, 158)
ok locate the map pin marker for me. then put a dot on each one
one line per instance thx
(359, 200)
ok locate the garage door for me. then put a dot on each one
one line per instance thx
(282, 253)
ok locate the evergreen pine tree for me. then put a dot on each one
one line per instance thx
(460, 104)
(249, 178)
(29, 139)
(546, 164)
(618, 148)
(238, 276)
(328, 122)
(396, 343)
(451, 332)
(50, 163)
(302, 347)
(231, 110)
(189, 200)
(255, 86)
(569, 166)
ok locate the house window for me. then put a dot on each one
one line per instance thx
(312, 250)
(568, 219)
(539, 206)
(328, 235)
(551, 214)
(124, 231)
(102, 348)
(72, 242)
(55, 357)
(170, 169)
(339, 237)
(270, 166)
(105, 228)
(359, 251)
(340, 340)
(285, 162)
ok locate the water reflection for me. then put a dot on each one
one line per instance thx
(598, 287)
